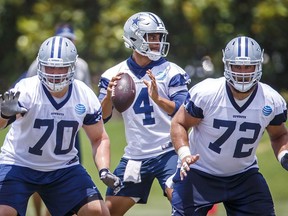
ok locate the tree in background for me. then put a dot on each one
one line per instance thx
(197, 29)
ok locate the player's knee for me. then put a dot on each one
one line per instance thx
(94, 208)
(108, 204)
(119, 205)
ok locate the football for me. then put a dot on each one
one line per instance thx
(124, 93)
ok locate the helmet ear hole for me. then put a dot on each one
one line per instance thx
(128, 43)
(133, 39)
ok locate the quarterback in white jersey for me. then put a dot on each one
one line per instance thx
(39, 154)
(228, 117)
(147, 126)
(161, 87)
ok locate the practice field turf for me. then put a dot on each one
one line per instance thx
(158, 205)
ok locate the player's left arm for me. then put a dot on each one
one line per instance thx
(278, 135)
(105, 98)
(101, 154)
(100, 144)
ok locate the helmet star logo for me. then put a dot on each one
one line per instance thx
(136, 20)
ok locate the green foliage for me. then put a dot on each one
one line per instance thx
(196, 29)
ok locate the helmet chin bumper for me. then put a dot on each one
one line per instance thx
(242, 87)
(153, 55)
(242, 82)
(56, 83)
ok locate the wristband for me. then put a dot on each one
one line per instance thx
(4, 116)
(281, 154)
(183, 152)
(104, 170)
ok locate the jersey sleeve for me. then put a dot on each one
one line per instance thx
(200, 96)
(280, 106)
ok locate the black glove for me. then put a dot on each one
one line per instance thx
(284, 161)
(9, 104)
(110, 179)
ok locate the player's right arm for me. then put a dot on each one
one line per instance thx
(105, 98)
(180, 125)
(100, 144)
(101, 153)
(10, 107)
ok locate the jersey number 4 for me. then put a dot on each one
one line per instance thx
(49, 123)
(231, 126)
(142, 105)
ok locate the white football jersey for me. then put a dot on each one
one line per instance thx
(43, 139)
(147, 126)
(228, 135)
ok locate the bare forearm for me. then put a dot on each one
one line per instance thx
(179, 136)
(101, 154)
(280, 144)
(107, 107)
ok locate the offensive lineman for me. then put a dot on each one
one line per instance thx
(229, 116)
(38, 154)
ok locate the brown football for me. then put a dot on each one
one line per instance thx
(124, 93)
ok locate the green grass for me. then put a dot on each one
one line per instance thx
(157, 205)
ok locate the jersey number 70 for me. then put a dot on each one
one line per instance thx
(49, 123)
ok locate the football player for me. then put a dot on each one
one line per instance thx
(39, 154)
(161, 87)
(228, 117)
(81, 73)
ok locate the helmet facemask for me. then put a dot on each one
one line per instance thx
(242, 51)
(153, 54)
(57, 52)
(56, 82)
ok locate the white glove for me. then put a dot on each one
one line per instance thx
(110, 180)
(9, 104)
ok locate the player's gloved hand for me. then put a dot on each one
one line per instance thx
(110, 179)
(186, 158)
(284, 161)
(9, 104)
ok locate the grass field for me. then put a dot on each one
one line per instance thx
(157, 205)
